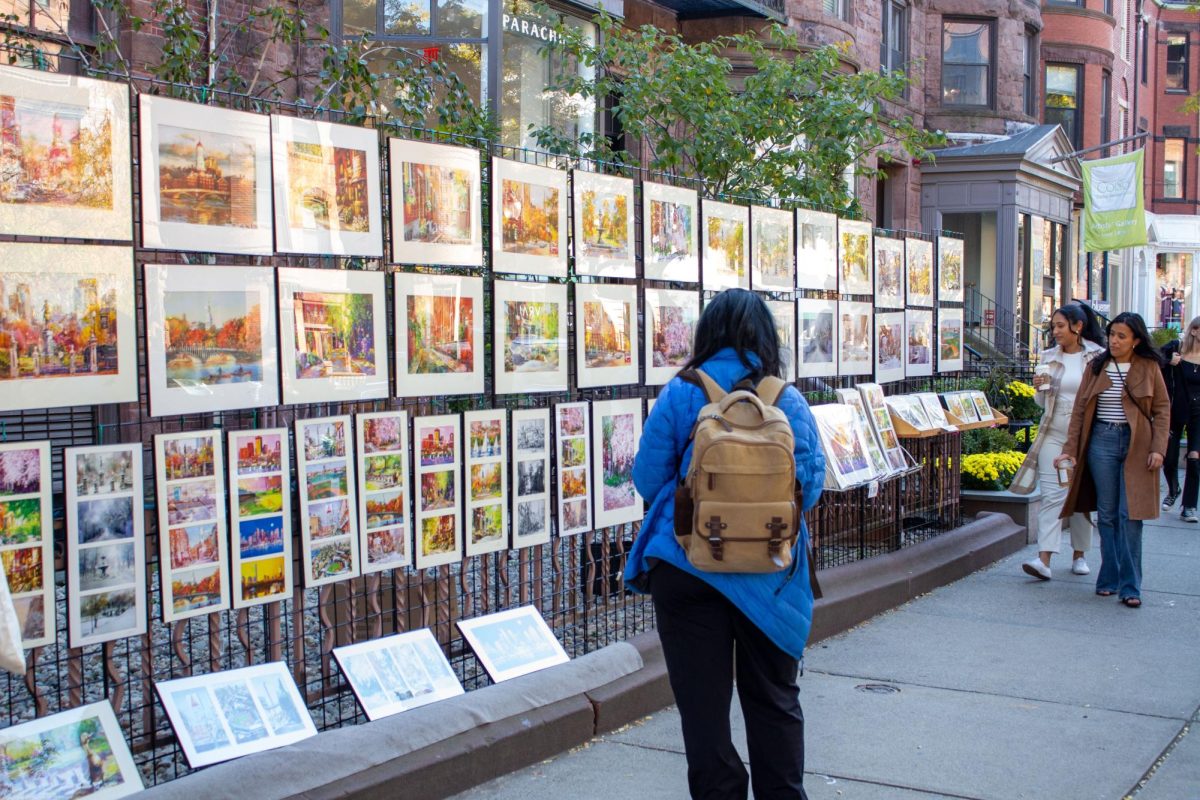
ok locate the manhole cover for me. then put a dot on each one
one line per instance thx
(877, 688)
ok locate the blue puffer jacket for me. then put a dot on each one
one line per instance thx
(780, 603)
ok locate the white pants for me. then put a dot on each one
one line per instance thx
(1053, 495)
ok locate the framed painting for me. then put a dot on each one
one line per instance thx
(75, 753)
(918, 271)
(224, 715)
(816, 338)
(529, 219)
(65, 169)
(531, 475)
(333, 335)
(572, 439)
(383, 491)
(816, 250)
(193, 562)
(531, 336)
(439, 339)
(772, 249)
(889, 272)
(919, 333)
(846, 461)
(670, 251)
(439, 487)
(327, 190)
(397, 673)
(606, 335)
(855, 329)
(671, 318)
(325, 480)
(486, 437)
(210, 339)
(950, 270)
(436, 197)
(854, 257)
(725, 242)
(206, 178)
(260, 513)
(604, 238)
(889, 346)
(68, 336)
(784, 312)
(106, 543)
(513, 643)
(27, 538)
(616, 432)
(950, 339)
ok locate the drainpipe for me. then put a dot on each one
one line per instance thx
(212, 42)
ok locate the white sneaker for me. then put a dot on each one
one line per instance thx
(1037, 569)
(1080, 567)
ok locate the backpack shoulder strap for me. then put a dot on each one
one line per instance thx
(699, 378)
(769, 389)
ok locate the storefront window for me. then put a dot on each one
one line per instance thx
(1173, 274)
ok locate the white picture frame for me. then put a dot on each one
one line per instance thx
(530, 343)
(889, 272)
(816, 250)
(856, 336)
(437, 472)
(616, 432)
(397, 673)
(847, 462)
(950, 270)
(784, 312)
(918, 335)
(261, 536)
(305, 156)
(919, 274)
(725, 244)
(950, 339)
(428, 309)
(513, 643)
(889, 346)
(328, 503)
(103, 488)
(195, 154)
(572, 443)
(385, 530)
(319, 364)
(531, 476)
(592, 255)
(436, 199)
(670, 233)
(855, 253)
(671, 317)
(817, 341)
(485, 434)
(516, 187)
(772, 249)
(606, 334)
(27, 538)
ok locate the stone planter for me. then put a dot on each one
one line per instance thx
(1023, 508)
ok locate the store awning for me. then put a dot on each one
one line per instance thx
(1168, 232)
(703, 9)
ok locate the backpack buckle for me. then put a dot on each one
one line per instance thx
(715, 526)
(776, 526)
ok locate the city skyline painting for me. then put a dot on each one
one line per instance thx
(261, 515)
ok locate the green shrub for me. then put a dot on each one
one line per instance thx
(988, 440)
(1160, 336)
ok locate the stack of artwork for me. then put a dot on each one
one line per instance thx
(847, 462)
(439, 520)
(260, 508)
(881, 424)
(325, 474)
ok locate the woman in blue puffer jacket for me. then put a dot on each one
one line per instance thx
(705, 618)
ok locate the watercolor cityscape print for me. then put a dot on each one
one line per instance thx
(672, 230)
(531, 336)
(261, 514)
(604, 218)
(725, 249)
(486, 482)
(855, 260)
(572, 435)
(529, 215)
(437, 490)
(618, 446)
(607, 339)
(23, 544)
(383, 484)
(772, 241)
(212, 338)
(74, 757)
(327, 188)
(327, 500)
(191, 511)
(334, 335)
(206, 178)
(440, 333)
(437, 204)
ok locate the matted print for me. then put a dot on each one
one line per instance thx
(909, 409)
(77, 753)
(397, 673)
(879, 462)
(67, 334)
(438, 491)
(816, 250)
(919, 335)
(210, 339)
(918, 271)
(193, 563)
(889, 272)
(981, 405)
(950, 270)
(206, 178)
(816, 338)
(572, 436)
(854, 257)
(889, 346)
(962, 406)
(65, 165)
(606, 335)
(784, 312)
(439, 335)
(103, 487)
(670, 248)
(881, 423)
(603, 238)
(933, 409)
(671, 318)
(234, 713)
(27, 537)
(855, 329)
(333, 335)
(531, 336)
(328, 505)
(772, 249)
(725, 242)
(485, 434)
(846, 461)
(950, 339)
(531, 476)
(529, 219)
(436, 198)
(617, 429)
(513, 643)
(384, 491)
(327, 191)
(260, 510)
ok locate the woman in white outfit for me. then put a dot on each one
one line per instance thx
(1078, 338)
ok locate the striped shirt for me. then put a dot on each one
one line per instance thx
(1108, 405)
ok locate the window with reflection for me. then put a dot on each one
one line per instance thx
(1172, 181)
(1062, 100)
(1177, 58)
(967, 63)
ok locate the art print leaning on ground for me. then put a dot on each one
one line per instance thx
(397, 673)
(513, 643)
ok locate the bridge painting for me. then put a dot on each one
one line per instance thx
(212, 338)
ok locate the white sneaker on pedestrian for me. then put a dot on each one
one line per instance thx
(1080, 567)
(1037, 569)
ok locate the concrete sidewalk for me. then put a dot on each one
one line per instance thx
(998, 686)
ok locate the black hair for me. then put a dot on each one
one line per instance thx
(1144, 347)
(1077, 312)
(739, 319)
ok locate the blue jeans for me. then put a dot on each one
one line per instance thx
(1120, 536)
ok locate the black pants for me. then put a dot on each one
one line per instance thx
(1191, 479)
(701, 631)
